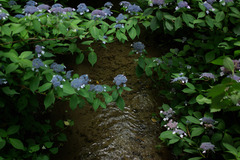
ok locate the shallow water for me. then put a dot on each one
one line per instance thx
(111, 134)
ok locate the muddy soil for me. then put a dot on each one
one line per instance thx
(111, 134)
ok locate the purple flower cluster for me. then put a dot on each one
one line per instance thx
(133, 9)
(207, 122)
(180, 132)
(97, 88)
(39, 50)
(68, 9)
(107, 12)
(3, 81)
(160, 3)
(234, 77)
(19, 16)
(211, 1)
(138, 47)
(36, 64)
(31, 3)
(167, 114)
(57, 5)
(56, 81)
(223, 2)
(108, 4)
(120, 17)
(120, 79)
(171, 125)
(158, 61)
(181, 80)
(69, 74)
(207, 76)
(28, 10)
(125, 4)
(205, 146)
(12, 3)
(4, 16)
(208, 6)
(82, 8)
(57, 67)
(98, 14)
(43, 7)
(80, 82)
(182, 4)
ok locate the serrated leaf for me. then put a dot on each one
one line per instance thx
(79, 58)
(36, 25)
(132, 33)
(231, 148)
(9, 91)
(169, 25)
(44, 87)
(178, 23)
(120, 103)
(67, 88)
(13, 129)
(34, 84)
(2, 143)
(96, 104)
(210, 56)
(228, 63)
(16, 143)
(220, 16)
(11, 67)
(188, 90)
(193, 119)
(26, 54)
(74, 101)
(94, 32)
(49, 99)
(197, 131)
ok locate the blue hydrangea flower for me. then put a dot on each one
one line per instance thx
(57, 5)
(3, 81)
(108, 4)
(167, 114)
(125, 4)
(82, 8)
(120, 79)
(160, 3)
(158, 61)
(133, 9)
(68, 9)
(98, 14)
(57, 10)
(80, 82)
(107, 11)
(69, 74)
(180, 132)
(210, 1)
(205, 146)
(56, 80)
(31, 3)
(207, 120)
(223, 2)
(119, 26)
(207, 76)
(12, 3)
(120, 17)
(37, 63)
(208, 7)
(39, 50)
(40, 14)
(43, 7)
(19, 16)
(181, 80)
(171, 125)
(234, 77)
(30, 10)
(97, 88)
(138, 47)
(182, 4)
(57, 67)
(3, 16)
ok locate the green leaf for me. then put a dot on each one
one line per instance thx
(195, 158)
(49, 99)
(216, 137)
(220, 16)
(16, 143)
(148, 11)
(2, 143)
(37, 26)
(17, 28)
(231, 149)
(94, 32)
(178, 23)
(34, 84)
(6, 30)
(92, 58)
(48, 144)
(174, 140)
(190, 85)
(84, 93)
(188, 90)
(228, 63)
(193, 119)
(11, 67)
(13, 129)
(62, 28)
(192, 151)
(201, 100)
(74, 101)
(96, 104)
(44, 87)
(26, 54)
(169, 25)
(201, 14)
(154, 24)
(120, 103)
(34, 148)
(209, 21)
(197, 131)
(132, 33)
(210, 56)
(3, 133)
(188, 19)
(167, 135)
(79, 58)
(9, 91)
(67, 88)
(72, 47)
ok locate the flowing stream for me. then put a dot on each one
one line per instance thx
(112, 134)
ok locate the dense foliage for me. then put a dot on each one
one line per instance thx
(200, 76)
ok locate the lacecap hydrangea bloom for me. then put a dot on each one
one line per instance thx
(28, 10)
(69, 74)
(211, 1)
(107, 11)
(133, 9)
(181, 80)
(208, 6)
(98, 14)
(97, 88)
(205, 146)
(167, 114)
(57, 67)
(180, 132)
(207, 76)
(37, 63)
(3, 16)
(120, 17)
(39, 50)
(3, 81)
(43, 7)
(234, 77)
(160, 3)
(12, 3)
(223, 2)
(80, 82)
(171, 125)
(119, 26)
(108, 4)
(82, 8)
(57, 5)
(120, 79)
(182, 4)
(125, 4)
(31, 3)
(19, 16)
(138, 47)
(207, 122)
(56, 81)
